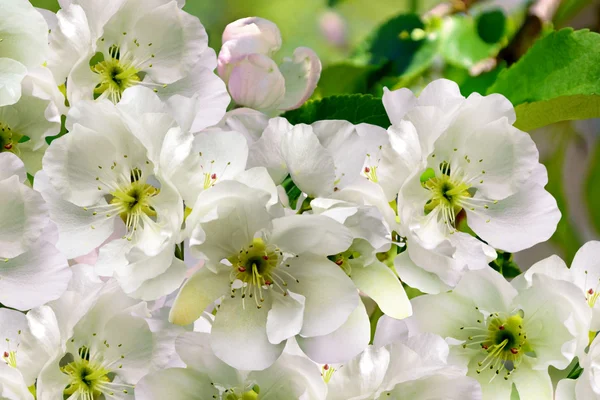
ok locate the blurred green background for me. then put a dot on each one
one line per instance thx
(336, 30)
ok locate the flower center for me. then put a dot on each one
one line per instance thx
(10, 357)
(86, 379)
(116, 75)
(503, 343)
(343, 260)
(9, 139)
(251, 394)
(257, 267)
(449, 194)
(133, 201)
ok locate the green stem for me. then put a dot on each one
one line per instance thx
(373, 319)
(179, 251)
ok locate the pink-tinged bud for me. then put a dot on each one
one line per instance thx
(334, 29)
(256, 82)
(245, 36)
(301, 73)
(253, 78)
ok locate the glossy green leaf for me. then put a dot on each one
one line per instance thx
(491, 26)
(344, 78)
(356, 108)
(558, 79)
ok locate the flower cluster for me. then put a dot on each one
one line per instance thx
(166, 233)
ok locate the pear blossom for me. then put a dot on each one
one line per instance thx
(107, 185)
(271, 275)
(414, 368)
(468, 161)
(254, 80)
(25, 125)
(321, 158)
(23, 45)
(100, 50)
(32, 270)
(105, 345)
(505, 336)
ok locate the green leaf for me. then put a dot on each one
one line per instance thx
(292, 191)
(592, 188)
(505, 264)
(557, 79)
(356, 108)
(51, 5)
(491, 26)
(469, 84)
(460, 43)
(344, 78)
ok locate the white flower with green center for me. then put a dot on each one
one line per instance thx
(106, 345)
(207, 377)
(106, 177)
(473, 164)
(321, 158)
(25, 125)
(272, 277)
(413, 368)
(101, 50)
(23, 46)
(505, 336)
(32, 270)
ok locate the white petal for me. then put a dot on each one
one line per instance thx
(381, 284)
(11, 165)
(417, 277)
(444, 314)
(177, 38)
(195, 351)
(267, 150)
(330, 294)
(361, 376)
(311, 166)
(565, 390)
(197, 293)
(11, 75)
(585, 270)
(488, 289)
(344, 343)
(24, 32)
(301, 73)
(285, 316)
(397, 103)
(239, 335)
(23, 215)
(533, 383)
(76, 235)
(315, 234)
(249, 122)
(35, 277)
(518, 222)
(552, 266)
(175, 384)
(163, 284)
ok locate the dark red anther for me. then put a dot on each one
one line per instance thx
(485, 346)
(242, 269)
(501, 327)
(514, 350)
(5, 354)
(367, 170)
(591, 291)
(326, 367)
(339, 262)
(213, 176)
(265, 257)
(8, 146)
(268, 282)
